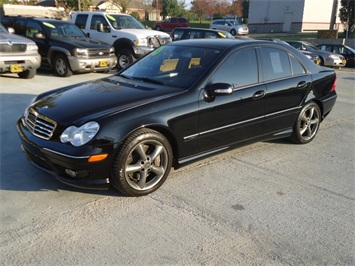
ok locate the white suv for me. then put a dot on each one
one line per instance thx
(18, 54)
(129, 37)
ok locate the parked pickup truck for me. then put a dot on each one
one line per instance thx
(63, 47)
(128, 36)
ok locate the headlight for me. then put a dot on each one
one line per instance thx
(79, 136)
(142, 42)
(308, 56)
(32, 47)
(81, 52)
(112, 50)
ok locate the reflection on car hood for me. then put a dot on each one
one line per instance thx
(83, 42)
(98, 98)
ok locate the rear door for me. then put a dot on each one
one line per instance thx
(287, 85)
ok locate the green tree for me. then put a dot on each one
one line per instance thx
(347, 13)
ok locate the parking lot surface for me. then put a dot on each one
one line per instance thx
(269, 203)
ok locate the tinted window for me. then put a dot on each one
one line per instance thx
(275, 63)
(297, 68)
(96, 19)
(239, 69)
(33, 28)
(81, 21)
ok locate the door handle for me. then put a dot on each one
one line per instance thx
(301, 85)
(259, 94)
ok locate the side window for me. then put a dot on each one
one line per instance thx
(96, 19)
(297, 68)
(174, 20)
(81, 21)
(20, 27)
(234, 68)
(275, 63)
(177, 34)
(32, 29)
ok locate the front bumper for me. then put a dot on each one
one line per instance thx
(70, 169)
(23, 63)
(330, 62)
(81, 65)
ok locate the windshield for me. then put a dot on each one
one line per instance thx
(61, 29)
(124, 22)
(178, 66)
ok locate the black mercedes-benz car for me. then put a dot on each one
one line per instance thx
(182, 102)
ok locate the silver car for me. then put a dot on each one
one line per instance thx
(18, 54)
(233, 26)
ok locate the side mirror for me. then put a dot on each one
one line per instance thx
(11, 30)
(217, 89)
(38, 36)
(102, 28)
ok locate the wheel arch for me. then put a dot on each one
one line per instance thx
(165, 131)
(123, 43)
(54, 51)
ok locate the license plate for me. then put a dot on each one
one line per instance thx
(103, 63)
(344, 62)
(15, 68)
(318, 62)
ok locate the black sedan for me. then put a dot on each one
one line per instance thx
(344, 50)
(182, 102)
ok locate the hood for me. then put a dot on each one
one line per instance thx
(82, 42)
(142, 33)
(95, 99)
(7, 37)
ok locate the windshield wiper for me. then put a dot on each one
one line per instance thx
(155, 81)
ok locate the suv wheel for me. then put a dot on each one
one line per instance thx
(158, 28)
(28, 74)
(233, 32)
(61, 66)
(124, 58)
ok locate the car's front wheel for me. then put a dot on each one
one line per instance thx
(142, 164)
(307, 124)
(124, 58)
(61, 66)
(233, 32)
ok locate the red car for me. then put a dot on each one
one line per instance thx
(171, 23)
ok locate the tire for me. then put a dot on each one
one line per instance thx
(233, 32)
(158, 28)
(124, 58)
(321, 61)
(28, 74)
(307, 124)
(142, 164)
(61, 66)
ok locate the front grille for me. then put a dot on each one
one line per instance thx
(93, 53)
(9, 47)
(40, 125)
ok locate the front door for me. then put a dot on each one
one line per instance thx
(238, 116)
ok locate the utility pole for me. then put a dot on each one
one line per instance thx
(333, 15)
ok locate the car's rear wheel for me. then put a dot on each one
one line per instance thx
(158, 28)
(61, 66)
(142, 164)
(307, 124)
(233, 32)
(124, 58)
(28, 74)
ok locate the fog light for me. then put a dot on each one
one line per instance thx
(77, 174)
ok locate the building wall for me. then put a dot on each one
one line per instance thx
(290, 15)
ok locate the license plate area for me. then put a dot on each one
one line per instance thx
(103, 63)
(16, 68)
